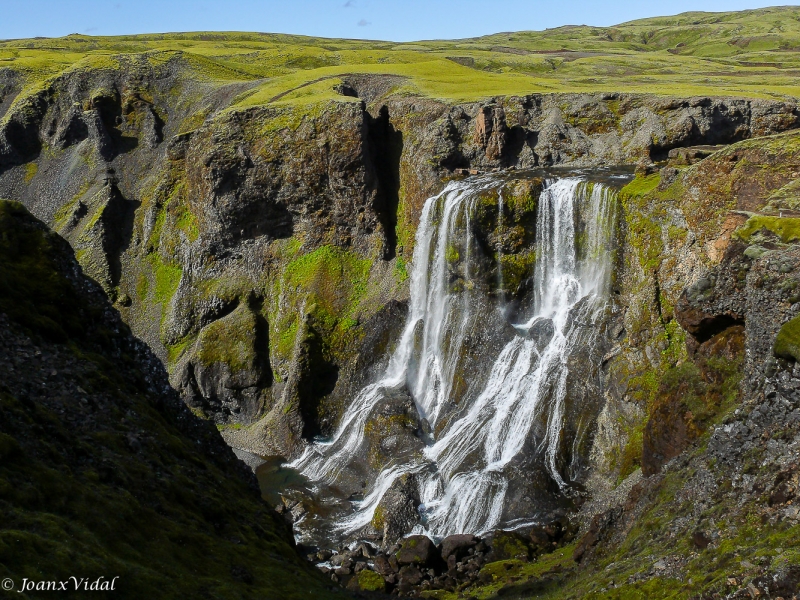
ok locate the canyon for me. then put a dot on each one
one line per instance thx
(552, 337)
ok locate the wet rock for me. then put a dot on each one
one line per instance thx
(541, 332)
(397, 512)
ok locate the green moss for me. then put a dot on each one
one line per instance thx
(187, 222)
(630, 458)
(788, 230)
(175, 351)
(643, 229)
(370, 581)
(327, 267)
(508, 545)
(641, 186)
(158, 226)
(167, 277)
(30, 171)
(522, 197)
(287, 336)
(517, 268)
(400, 271)
(378, 518)
(787, 343)
(142, 287)
(330, 283)
(451, 254)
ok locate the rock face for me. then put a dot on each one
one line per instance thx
(491, 131)
(708, 286)
(87, 414)
(295, 227)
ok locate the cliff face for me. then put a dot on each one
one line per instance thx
(104, 472)
(253, 249)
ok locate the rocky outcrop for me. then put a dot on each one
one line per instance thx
(491, 131)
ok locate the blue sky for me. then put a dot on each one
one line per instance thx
(368, 19)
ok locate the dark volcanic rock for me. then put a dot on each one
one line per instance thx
(457, 545)
(416, 550)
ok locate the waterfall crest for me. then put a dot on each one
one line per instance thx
(467, 465)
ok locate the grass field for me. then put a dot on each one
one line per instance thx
(751, 53)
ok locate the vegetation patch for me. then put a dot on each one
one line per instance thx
(167, 277)
(230, 340)
(787, 229)
(787, 343)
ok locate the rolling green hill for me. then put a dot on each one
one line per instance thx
(751, 53)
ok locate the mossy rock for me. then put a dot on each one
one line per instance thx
(370, 581)
(507, 545)
(787, 344)
(416, 550)
(230, 340)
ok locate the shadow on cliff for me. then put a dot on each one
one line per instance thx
(386, 148)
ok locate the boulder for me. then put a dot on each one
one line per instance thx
(416, 550)
(409, 577)
(457, 545)
(382, 565)
(508, 544)
(367, 581)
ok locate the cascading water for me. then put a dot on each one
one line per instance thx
(467, 464)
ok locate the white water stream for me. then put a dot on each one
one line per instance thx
(464, 473)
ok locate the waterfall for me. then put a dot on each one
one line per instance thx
(500, 208)
(466, 467)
